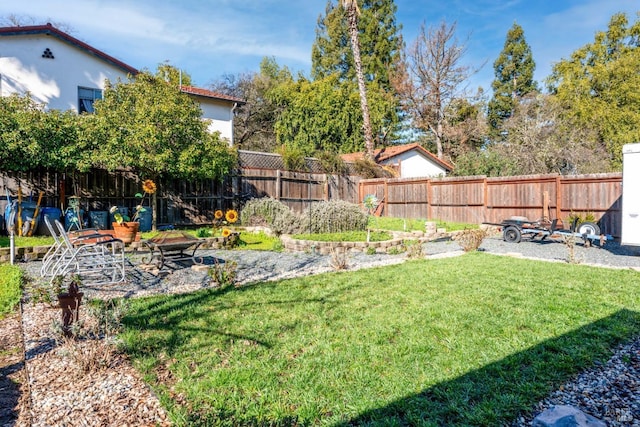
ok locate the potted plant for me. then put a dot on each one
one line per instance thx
(126, 228)
(69, 301)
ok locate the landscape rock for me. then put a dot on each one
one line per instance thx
(566, 416)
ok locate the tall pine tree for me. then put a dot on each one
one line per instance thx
(379, 37)
(380, 46)
(513, 78)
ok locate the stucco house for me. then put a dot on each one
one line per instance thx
(409, 160)
(64, 73)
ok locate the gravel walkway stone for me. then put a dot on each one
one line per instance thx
(609, 391)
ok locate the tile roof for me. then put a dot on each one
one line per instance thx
(210, 94)
(382, 154)
(50, 30)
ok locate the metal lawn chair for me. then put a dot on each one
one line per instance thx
(98, 259)
(58, 250)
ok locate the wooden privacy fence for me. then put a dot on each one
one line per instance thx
(480, 199)
(180, 202)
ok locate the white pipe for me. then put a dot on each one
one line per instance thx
(12, 247)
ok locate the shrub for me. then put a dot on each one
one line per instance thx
(470, 239)
(203, 232)
(223, 274)
(413, 249)
(334, 217)
(272, 213)
(331, 162)
(368, 169)
(293, 158)
(323, 217)
(581, 217)
(339, 259)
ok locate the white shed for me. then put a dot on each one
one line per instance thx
(630, 195)
(410, 160)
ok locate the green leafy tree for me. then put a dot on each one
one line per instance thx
(17, 146)
(513, 77)
(254, 121)
(31, 137)
(152, 127)
(172, 74)
(599, 86)
(319, 115)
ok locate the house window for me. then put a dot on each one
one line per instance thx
(86, 98)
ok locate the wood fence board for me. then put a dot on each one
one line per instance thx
(481, 199)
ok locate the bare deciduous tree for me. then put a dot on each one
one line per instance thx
(430, 79)
(539, 140)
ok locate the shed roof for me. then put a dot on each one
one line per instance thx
(386, 153)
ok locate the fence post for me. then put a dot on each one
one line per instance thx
(278, 184)
(485, 199)
(326, 187)
(558, 197)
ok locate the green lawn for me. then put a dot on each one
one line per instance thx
(472, 340)
(401, 224)
(26, 242)
(10, 288)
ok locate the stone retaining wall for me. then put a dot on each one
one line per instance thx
(24, 254)
(324, 248)
(290, 245)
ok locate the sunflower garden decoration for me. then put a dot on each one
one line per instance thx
(220, 222)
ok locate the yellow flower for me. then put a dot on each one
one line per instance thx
(218, 214)
(231, 216)
(226, 233)
(148, 186)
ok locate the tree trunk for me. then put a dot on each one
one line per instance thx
(440, 150)
(154, 210)
(357, 61)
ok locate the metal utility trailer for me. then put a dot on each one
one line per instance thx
(515, 228)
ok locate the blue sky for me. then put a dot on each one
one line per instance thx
(216, 37)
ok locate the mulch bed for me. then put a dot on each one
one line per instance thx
(71, 382)
(14, 396)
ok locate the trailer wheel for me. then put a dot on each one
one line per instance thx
(511, 234)
(588, 228)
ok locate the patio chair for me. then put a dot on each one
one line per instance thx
(59, 249)
(98, 259)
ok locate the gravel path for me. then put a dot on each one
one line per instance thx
(610, 392)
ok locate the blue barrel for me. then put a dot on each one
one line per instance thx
(145, 219)
(28, 213)
(99, 219)
(71, 220)
(53, 214)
